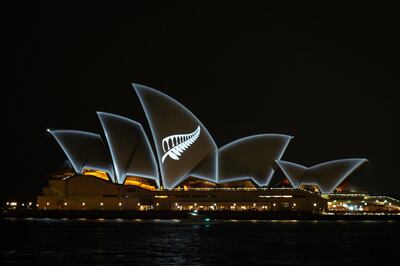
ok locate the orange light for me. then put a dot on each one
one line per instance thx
(161, 196)
(96, 173)
(135, 181)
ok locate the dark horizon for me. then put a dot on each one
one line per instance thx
(323, 74)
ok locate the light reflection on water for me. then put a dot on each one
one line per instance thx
(174, 221)
(173, 242)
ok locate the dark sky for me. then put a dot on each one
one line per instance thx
(326, 74)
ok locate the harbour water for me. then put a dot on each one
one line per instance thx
(171, 242)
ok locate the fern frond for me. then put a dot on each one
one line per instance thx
(175, 145)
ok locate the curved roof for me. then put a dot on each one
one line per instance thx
(84, 150)
(129, 147)
(251, 157)
(327, 176)
(294, 172)
(184, 146)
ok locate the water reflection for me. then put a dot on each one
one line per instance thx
(169, 242)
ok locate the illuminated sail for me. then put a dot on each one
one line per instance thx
(84, 150)
(327, 176)
(252, 157)
(170, 122)
(130, 148)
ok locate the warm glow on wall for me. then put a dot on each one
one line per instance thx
(137, 181)
(96, 173)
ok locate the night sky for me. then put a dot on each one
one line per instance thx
(326, 75)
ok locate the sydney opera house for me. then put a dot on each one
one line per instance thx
(181, 168)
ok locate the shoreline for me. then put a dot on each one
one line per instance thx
(218, 215)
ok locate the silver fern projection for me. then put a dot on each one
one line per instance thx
(175, 145)
(165, 116)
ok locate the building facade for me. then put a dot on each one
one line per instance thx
(118, 169)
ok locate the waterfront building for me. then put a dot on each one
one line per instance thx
(118, 169)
